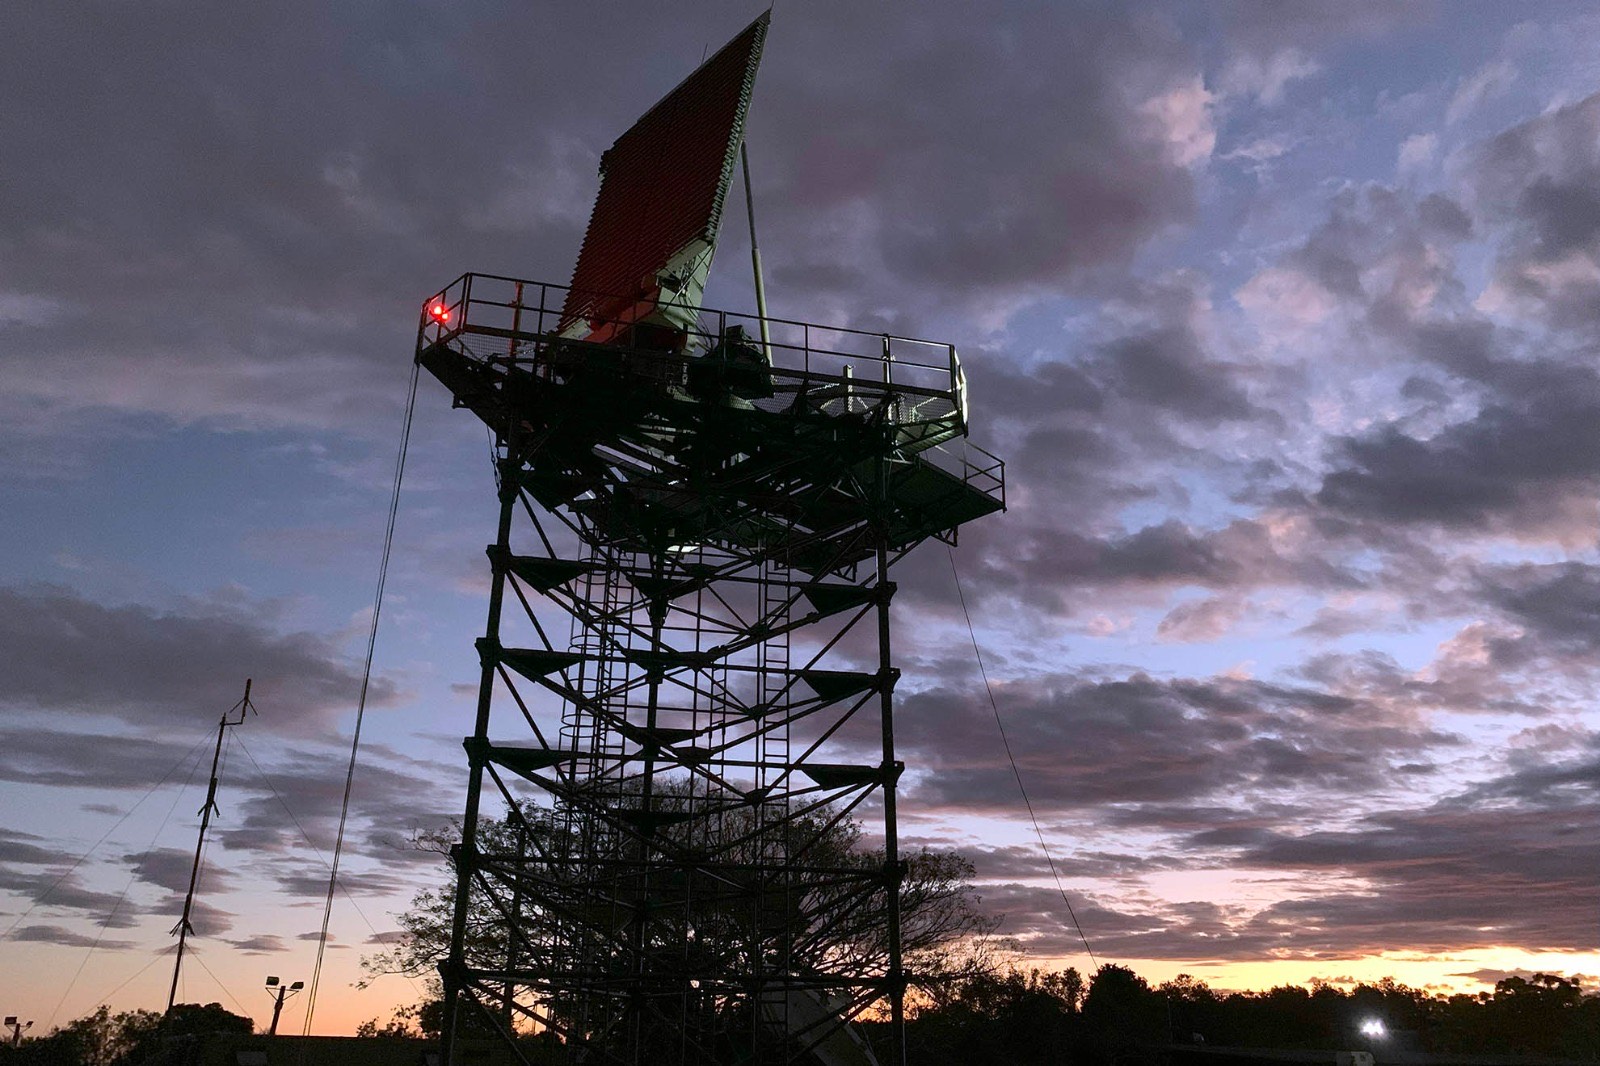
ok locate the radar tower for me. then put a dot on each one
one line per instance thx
(686, 696)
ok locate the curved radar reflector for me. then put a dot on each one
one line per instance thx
(647, 252)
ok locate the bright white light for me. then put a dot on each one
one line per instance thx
(1373, 1027)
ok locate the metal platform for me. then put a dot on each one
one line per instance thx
(663, 448)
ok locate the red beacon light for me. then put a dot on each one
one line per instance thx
(439, 313)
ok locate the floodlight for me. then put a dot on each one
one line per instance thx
(297, 986)
(1373, 1027)
(11, 1019)
(271, 982)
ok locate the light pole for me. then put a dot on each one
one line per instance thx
(282, 993)
(17, 1029)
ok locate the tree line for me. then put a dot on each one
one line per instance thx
(128, 1038)
(1023, 1017)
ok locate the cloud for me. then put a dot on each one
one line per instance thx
(1082, 864)
(1539, 179)
(891, 143)
(18, 848)
(1558, 602)
(1184, 117)
(55, 934)
(23, 309)
(305, 790)
(248, 245)
(264, 944)
(1085, 744)
(1498, 866)
(1166, 368)
(1200, 620)
(1288, 295)
(1265, 77)
(1267, 25)
(207, 919)
(1261, 150)
(101, 760)
(1417, 152)
(1526, 460)
(333, 941)
(1448, 879)
(1114, 421)
(1373, 278)
(1485, 83)
(148, 667)
(1470, 415)
(169, 868)
(66, 891)
(1494, 977)
(1045, 565)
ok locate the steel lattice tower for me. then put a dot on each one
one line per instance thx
(687, 691)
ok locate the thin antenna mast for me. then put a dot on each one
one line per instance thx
(184, 927)
(755, 253)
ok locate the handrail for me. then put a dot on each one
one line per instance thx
(471, 298)
(924, 378)
(552, 286)
(501, 320)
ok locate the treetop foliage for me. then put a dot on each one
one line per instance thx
(1023, 1017)
(128, 1038)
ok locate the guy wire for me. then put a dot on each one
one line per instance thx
(1004, 740)
(361, 703)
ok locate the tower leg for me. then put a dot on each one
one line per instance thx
(454, 970)
(893, 873)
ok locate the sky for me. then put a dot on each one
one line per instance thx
(1284, 316)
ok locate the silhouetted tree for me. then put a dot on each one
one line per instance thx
(129, 1038)
(1023, 1018)
(1193, 1009)
(1543, 1015)
(1122, 1017)
(940, 917)
(1017, 1017)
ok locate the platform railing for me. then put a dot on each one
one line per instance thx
(984, 471)
(495, 316)
(527, 312)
